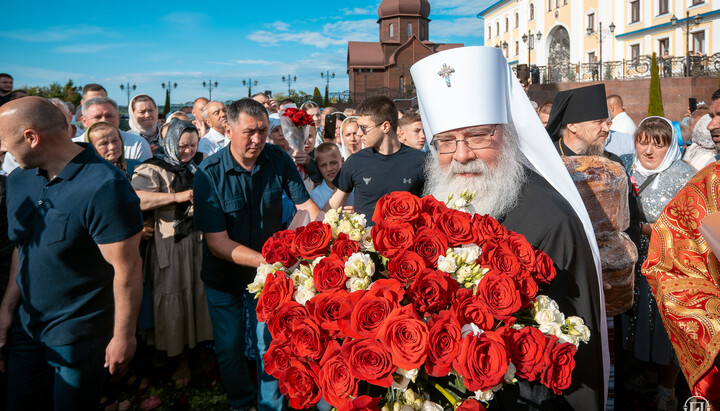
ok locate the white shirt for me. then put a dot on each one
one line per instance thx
(620, 143)
(134, 146)
(321, 195)
(623, 123)
(212, 142)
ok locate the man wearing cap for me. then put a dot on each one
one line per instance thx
(491, 145)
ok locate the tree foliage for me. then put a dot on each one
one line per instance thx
(655, 106)
(317, 97)
(299, 96)
(166, 107)
(327, 100)
(68, 92)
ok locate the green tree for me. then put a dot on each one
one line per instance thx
(68, 92)
(326, 101)
(655, 106)
(166, 107)
(317, 97)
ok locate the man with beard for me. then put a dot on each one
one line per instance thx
(491, 145)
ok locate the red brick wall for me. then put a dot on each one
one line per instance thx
(675, 93)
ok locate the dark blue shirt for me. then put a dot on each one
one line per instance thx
(248, 205)
(65, 283)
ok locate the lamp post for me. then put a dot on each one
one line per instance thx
(695, 21)
(600, 35)
(327, 76)
(169, 86)
(210, 85)
(128, 89)
(289, 79)
(529, 38)
(250, 83)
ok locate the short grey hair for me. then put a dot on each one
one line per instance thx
(204, 110)
(59, 103)
(96, 101)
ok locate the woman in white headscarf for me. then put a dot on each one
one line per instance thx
(658, 173)
(350, 142)
(143, 113)
(703, 150)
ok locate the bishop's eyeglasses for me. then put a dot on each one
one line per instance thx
(477, 139)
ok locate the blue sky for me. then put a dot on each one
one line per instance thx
(148, 43)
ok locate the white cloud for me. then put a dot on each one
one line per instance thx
(333, 34)
(280, 25)
(359, 11)
(264, 37)
(459, 7)
(54, 34)
(79, 48)
(444, 30)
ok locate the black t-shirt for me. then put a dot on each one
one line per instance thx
(4, 99)
(373, 175)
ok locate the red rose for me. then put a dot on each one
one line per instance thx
(498, 293)
(299, 384)
(362, 403)
(278, 248)
(277, 358)
(368, 313)
(280, 325)
(329, 274)
(527, 286)
(544, 271)
(298, 117)
(325, 308)
(470, 310)
(313, 240)
(432, 291)
(471, 404)
(501, 258)
(369, 361)
(404, 335)
(307, 339)
(488, 229)
(527, 350)
(404, 266)
(390, 237)
(522, 249)
(389, 288)
(443, 342)
(336, 380)
(344, 247)
(277, 291)
(457, 226)
(561, 362)
(397, 206)
(432, 206)
(424, 220)
(482, 361)
(430, 244)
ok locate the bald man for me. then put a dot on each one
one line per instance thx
(621, 121)
(72, 301)
(199, 122)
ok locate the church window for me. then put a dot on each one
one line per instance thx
(497, 28)
(392, 30)
(507, 24)
(662, 6)
(532, 12)
(489, 32)
(409, 29)
(517, 20)
(634, 11)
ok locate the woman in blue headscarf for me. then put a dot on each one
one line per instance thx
(164, 185)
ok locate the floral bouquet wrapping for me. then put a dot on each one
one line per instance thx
(431, 309)
(296, 127)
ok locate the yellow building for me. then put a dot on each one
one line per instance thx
(584, 33)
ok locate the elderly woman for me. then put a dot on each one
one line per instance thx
(108, 143)
(143, 113)
(703, 150)
(658, 173)
(164, 185)
(350, 142)
(276, 136)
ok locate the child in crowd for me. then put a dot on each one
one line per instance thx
(329, 161)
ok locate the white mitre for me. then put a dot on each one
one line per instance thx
(470, 86)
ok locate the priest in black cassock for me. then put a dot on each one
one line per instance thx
(521, 181)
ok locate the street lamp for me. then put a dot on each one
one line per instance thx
(695, 21)
(128, 89)
(529, 39)
(327, 76)
(290, 79)
(169, 87)
(210, 85)
(250, 83)
(600, 35)
(505, 47)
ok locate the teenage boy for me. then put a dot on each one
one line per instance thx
(410, 131)
(329, 162)
(384, 166)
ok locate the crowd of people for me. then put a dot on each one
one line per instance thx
(111, 238)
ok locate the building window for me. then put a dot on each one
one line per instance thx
(549, 5)
(392, 30)
(497, 28)
(564, 2)
(698, 42)
(634, 11)
(401, 86)
(489, 32)
(591, 21)
(517, 20)
(517, 48)
(507, 24)
(591, 57)
(409, 29)
(532, 12)
(695, 2)
(662, 6)
(664, 45)
(634, 51)
(557, 3)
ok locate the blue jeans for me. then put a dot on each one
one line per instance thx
(227, 312)
(66, 377)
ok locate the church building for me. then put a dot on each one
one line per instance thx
(384, 67)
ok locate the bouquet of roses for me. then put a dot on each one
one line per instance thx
(296, 127)
(432, 309)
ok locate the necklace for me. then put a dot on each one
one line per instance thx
(559, 143)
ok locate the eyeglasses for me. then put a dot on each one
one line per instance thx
(365, 129)
(477, 140)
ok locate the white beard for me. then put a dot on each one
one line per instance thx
(497, 190)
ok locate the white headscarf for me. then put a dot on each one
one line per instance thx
(673, 154)
(343, 148)
(701, 135)
(490, 93)
(134, 125)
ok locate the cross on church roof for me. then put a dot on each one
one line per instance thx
(445, 72)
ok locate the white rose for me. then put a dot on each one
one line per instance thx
(402, 384)
(412, 374)
(359, 220)
(470, 329)
(464, 272)
(355, 234)
(446, 264)
(255, 287)
(345, 226)
(544, 316)
(367, 243)
(357, 283)
(406, 407)
(551, 328)
(303, 294)
(331, 216)
(469, 253)
(572, 339)
(431, 406)
(543, 301)
(264, 269)
(484, 396)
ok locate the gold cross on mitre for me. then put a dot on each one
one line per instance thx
(446, 72)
